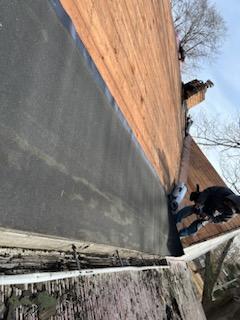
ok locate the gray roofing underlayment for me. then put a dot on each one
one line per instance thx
(69, 164)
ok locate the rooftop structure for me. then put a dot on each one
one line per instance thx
(194, 92)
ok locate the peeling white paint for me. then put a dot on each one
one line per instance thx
(50, 276)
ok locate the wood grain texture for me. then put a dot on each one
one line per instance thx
(195, 99)
(136, 295)
(133, 45)
(202, 172)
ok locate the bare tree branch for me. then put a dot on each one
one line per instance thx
(200, 28)
(225, 137)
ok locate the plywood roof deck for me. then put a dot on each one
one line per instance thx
(133, 45)
(202, 172)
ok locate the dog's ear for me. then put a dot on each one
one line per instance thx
(197, 188)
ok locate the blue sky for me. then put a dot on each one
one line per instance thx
(223, 99)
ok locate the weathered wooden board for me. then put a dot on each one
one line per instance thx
(153, 294)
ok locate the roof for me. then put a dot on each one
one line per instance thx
(135, 52)
(71, 166)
